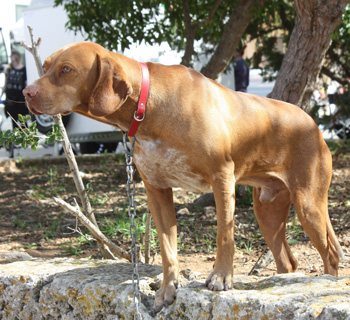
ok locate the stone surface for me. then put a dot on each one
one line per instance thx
(88, 289)
(12, 256)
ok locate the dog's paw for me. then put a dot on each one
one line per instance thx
(219, 281)
(165, 296)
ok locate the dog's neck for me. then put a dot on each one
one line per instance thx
(123, 117)
(157, 105)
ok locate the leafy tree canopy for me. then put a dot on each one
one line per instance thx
(116, 24)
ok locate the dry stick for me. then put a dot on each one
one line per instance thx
(147, 240)
(95, 231)
(66, 144)
(109, 249)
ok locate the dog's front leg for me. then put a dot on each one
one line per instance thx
(161, 205)
(224, 192)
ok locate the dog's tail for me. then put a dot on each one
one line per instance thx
(332, 239)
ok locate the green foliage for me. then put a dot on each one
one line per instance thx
(120, 227)
(52, 184)
(271, 28)
(338, 147)
(295, 231)
(32, 246)
(19, 223)
(51, 231)
(96, 199)
(73, 250)
(27, 135)
(244, 196)
(116, 24)
(337, 62)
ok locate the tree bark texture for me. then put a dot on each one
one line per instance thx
(190, 31)
(192, 28)
(314, 24)
(232, 34)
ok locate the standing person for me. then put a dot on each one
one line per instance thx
(241, 73)
(15, 82)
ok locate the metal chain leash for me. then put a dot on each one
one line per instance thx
(130, 187)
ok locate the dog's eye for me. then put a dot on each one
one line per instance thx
(66, 69)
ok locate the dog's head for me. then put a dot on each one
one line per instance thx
(82, 74)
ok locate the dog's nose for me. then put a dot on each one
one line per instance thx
(30, 91)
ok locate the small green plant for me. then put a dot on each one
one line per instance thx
(32, 246)
(38, 192)
(244, 196)
(96, 199)
(120, 227)
(19, 223)
(248, 246)
(53, 186)
(295, 231)
(27, 135)
(73, 250)
(85, 239)
(52, 174)
(51, 231)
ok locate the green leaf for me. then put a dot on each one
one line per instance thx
(33, 126)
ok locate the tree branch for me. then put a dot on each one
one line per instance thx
(232, 34)
(190, 32)
(311, 36)
(326, 71)
(192, 28)
(108, 245)
(66, 144)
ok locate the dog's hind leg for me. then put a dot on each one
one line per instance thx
(309, 185)
(272, 217)
(312, 211)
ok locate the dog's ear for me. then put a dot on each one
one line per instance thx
(111, 88)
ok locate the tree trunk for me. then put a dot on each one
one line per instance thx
(192, 28)
(314, 24)
(232, 34)
(190, 31)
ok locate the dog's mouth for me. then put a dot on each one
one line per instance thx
(33, 110)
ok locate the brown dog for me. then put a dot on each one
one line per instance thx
(200, 135)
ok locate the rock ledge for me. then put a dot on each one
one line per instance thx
(89, 289)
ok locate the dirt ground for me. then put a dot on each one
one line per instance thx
(30, 222)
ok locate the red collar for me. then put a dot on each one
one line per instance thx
(139, 114)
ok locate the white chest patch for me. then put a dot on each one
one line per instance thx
(167, 167)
